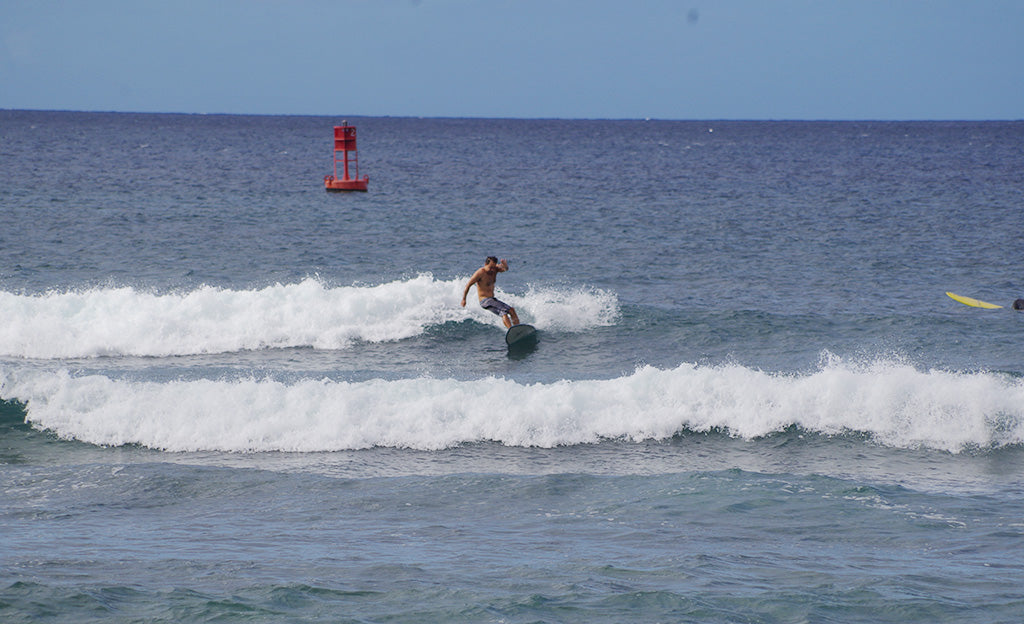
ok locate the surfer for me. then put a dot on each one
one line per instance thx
(484, 279)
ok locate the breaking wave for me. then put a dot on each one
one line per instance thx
(893, 404)
(129, 322)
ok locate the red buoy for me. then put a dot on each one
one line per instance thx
(345, 143)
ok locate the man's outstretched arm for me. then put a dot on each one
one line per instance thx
(472, 280)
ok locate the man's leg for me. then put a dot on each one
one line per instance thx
(515, 317)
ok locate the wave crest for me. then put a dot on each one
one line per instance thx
(129, 322)
(893, 404)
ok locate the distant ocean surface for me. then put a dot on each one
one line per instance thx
(229, 396)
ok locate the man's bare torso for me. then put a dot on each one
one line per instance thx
(485, 282)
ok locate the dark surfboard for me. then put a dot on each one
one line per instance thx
(522, 335)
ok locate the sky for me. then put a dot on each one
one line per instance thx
(570, 59)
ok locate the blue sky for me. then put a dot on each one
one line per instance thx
(662, 59)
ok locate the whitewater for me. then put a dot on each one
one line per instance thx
(892, 404)
(888, 401)
(129, 321)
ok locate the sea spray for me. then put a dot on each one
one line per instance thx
(891, 403)
(568, 308)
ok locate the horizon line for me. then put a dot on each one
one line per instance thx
(506, 118)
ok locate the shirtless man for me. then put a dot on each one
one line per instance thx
(484, 279)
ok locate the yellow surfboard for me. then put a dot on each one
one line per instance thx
(974, 303)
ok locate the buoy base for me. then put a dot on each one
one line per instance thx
(347, 184)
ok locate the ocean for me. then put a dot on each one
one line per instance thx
(230, 396)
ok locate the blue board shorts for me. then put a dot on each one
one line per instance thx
(494, 305)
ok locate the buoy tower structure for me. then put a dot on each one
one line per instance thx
(345, 153)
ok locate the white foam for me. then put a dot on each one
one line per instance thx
(893, 403)
(126, 321)
(568, 309)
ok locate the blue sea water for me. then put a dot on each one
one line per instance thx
(228, 395)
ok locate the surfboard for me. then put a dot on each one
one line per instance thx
(974, 303)
(521, 335)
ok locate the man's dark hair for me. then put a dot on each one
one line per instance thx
(491, 259)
